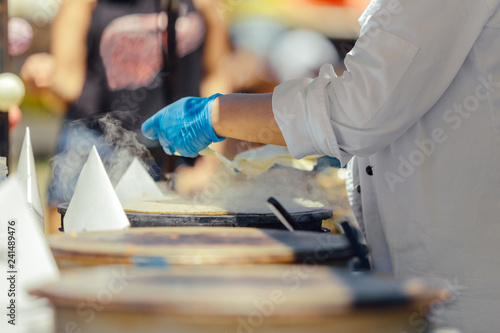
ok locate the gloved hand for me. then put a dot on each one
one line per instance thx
(183, 126)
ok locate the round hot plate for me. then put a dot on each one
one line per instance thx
(160, 214)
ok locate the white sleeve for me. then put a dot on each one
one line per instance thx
(408, 54)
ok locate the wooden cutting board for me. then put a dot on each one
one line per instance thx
(260, 299)
(199, 245)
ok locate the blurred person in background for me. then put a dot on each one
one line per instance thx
(271, 35)
(108, 57)
(416, 116)
(15, 116)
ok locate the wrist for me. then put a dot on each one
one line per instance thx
(214, 114)
(215, 118)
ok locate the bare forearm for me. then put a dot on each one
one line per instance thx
(69, 48)
(246, 117)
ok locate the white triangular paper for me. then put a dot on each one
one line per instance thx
(94, 205)
(26, 173)
(137, 183)
(28, 253)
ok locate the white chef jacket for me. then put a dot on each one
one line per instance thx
(420, 104)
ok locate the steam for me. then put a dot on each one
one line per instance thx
(295, 189)
(116, 145)
(125, 147)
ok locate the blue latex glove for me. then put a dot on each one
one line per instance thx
(183, 126)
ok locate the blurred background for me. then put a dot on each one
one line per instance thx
(271, 41)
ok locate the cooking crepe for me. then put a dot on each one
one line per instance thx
(188, 207)
(256, 161)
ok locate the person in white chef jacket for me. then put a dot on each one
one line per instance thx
(416, 116)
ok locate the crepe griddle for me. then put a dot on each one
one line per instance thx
(309, 219)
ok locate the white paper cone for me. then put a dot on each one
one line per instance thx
(137, 183)
(24, 254)
(95, 205)
(26, 174)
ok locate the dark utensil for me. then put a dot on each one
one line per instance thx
(282, 215)
(362, 264)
